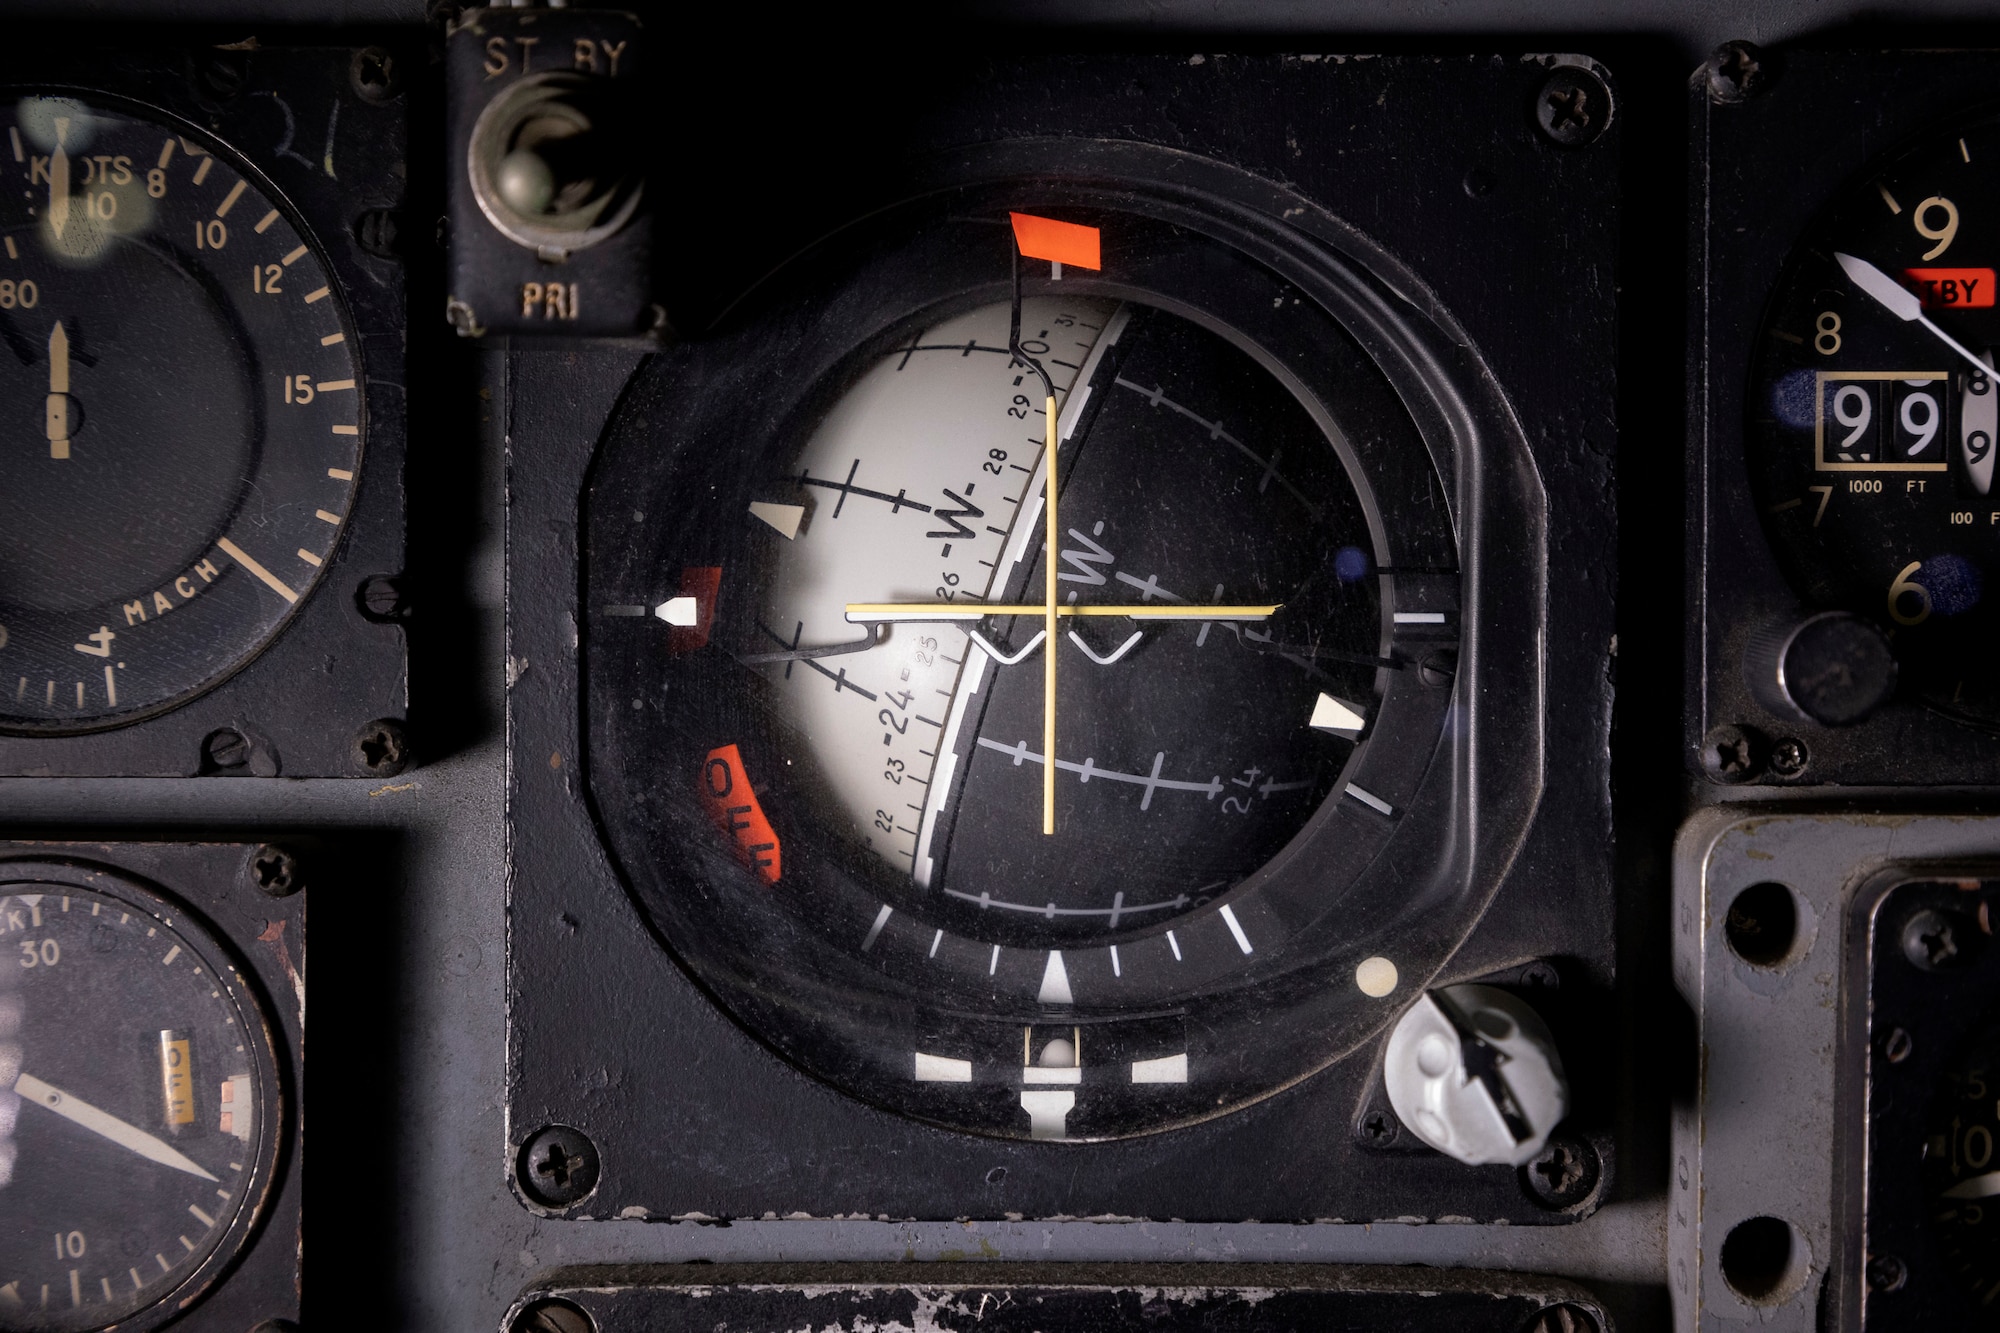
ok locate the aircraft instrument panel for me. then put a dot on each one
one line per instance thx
(1009, 669)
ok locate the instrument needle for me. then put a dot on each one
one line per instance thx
(1902, 303)
(58, 399)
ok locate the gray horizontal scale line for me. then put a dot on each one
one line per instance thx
(1087, 770)
(1157, 398)
(1049, 909)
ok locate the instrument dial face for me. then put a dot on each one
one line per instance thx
(1962, 1169)
(187, 415)
(1189, 742)
(821, 746)
(1872, 415)
(135, 1133)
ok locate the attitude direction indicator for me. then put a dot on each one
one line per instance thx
(1059, 243)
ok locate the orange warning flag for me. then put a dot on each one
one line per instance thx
(1058, 242)
(725, 791)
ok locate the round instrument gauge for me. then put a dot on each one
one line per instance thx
(138, 1131)
(1041, 810)
(187, 415)
(1962, 1170)
(1148, 523)
(1872, 415)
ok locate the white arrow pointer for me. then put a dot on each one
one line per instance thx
(81, 1112)
(1901, 302)
(1979, 1187)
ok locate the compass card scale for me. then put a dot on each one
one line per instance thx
(949, 410)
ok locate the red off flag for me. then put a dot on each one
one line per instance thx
(1057, 242)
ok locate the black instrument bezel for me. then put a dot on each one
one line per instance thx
(1531, 484)
(206, 890)
(686, 428)
(335, 667)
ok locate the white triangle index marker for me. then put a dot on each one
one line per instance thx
(678, 610)
(785, 518)
(1337, 715)
(1055, 981)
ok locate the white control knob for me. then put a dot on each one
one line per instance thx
(1475, 1074)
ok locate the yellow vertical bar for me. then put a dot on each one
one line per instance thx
(1049, 644)
(176, 1079)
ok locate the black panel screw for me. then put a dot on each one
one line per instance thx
(996, 1175)
(1541, 975)
(275, 871)
(381, 748)
(375, 231)
(463, 319)
(1887, 1273)
(230, 752)
(1573, 107)
(224, 751)
(1736, 73)
(1933, 941)
(1377, 1128)
(1565, 1318)
(1563, 1174)
(550, 1315)
(374, 75)
(1438, 669)
(380, 599)
(1729, 754)
(558, 1167)
(220, 76)
(1788, 757)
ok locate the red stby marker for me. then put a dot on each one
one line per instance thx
(726, 794)
(1057, 242)
(1952, 288)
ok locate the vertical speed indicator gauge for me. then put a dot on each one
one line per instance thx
(180, 414)
(1962, 1169)
(139, 1104)
(1872, 426)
